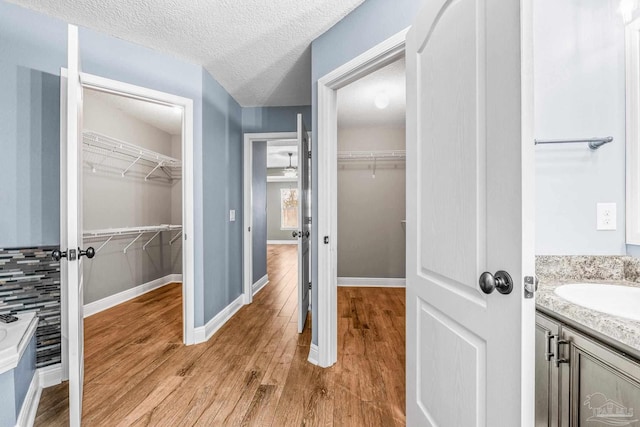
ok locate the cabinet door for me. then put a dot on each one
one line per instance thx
(604, 384)
(547, 375)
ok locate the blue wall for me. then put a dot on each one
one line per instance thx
(30, 64)
(222, 157)
(579, 81)
(368, 25)
(259, 206)
(274, 119)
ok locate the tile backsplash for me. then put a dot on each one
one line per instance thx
(30, 281)
(588, 267)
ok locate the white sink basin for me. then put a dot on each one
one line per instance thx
(622, 301)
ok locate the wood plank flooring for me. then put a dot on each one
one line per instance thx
(252, 372)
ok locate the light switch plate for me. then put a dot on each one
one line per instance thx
(606, 216)
(232, 215)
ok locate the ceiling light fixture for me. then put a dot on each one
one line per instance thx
(381, 100)
(290, 171)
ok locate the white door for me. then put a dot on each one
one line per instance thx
(304, 223)
(71, 239)
(469, 211)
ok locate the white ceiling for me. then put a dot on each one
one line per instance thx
(258, 50)
(278, 154)
(356, 101)
(167, 119)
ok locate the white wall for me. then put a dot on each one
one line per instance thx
(579, 77)
(110, 201)
(371, 237)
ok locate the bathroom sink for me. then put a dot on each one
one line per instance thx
(622, 301)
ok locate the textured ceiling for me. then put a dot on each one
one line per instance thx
(258, 50)
(356, 101)
(167, 119)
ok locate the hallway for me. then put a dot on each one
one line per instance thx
(253, 371)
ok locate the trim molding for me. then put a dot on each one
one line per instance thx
(27, 414)
(113, 300)
(313, 354)
(373, 59)
(372, 282)
(50, 375)
(260, 283)
(272, 178)
(282, 242)
(204, 333)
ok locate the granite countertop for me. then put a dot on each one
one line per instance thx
(623, 331)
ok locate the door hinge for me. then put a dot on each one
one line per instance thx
(309, 285)
(326, 240)
(249, 229)
(530, 286)
(309, 154)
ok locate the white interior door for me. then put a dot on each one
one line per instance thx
(469, 211)
(304, 223)
(73, 232)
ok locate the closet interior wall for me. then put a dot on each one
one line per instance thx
(111, 200)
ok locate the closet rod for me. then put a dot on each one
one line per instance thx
(372, 155)
(594, 143)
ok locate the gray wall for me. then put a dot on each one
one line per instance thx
(371, 237)
(274, 232)
(369, 24)
(274, 119)
(176, 209)
(222, 186)
(579, 83)
(259, 207)
(112, 201)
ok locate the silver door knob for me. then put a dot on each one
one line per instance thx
(294, 234)
(501, 281)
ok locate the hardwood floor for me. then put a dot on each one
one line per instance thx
(253, 371)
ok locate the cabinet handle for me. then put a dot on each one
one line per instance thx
(547, 345)
(557, 355)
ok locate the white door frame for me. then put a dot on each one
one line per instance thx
(247, 214)
(115, 87)
(375, 58)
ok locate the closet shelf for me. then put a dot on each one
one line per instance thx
(107, 147)
(344, 156)
(138, 232)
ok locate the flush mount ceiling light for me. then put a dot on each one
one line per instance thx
(290, 171)
(381, 100)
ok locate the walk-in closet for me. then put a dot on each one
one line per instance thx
(132, 197)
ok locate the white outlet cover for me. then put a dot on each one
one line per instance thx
(232, 215)
(606, 216)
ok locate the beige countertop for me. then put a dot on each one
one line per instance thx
(617, 331)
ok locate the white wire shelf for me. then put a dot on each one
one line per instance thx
(103, 147)
(138, 232)
(380, 155)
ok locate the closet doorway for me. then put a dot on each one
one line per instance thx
(136, 193)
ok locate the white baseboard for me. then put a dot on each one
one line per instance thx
(282, 242)
(313, 354)
(261, 283)
(372, 282)
(29, 408)
(50, 375)
(113, 300)
(204, 333)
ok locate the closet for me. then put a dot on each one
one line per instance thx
(132, 197)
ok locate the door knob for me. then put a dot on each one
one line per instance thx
(307, 234)
(294, 234)
(501, 281)
(89, 253)
(57, 255)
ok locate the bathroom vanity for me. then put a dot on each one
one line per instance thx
(587, 361)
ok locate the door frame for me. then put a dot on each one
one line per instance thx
(247, 214)
(115, 87)
(372, 60)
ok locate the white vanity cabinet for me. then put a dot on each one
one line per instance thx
(580, 381)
